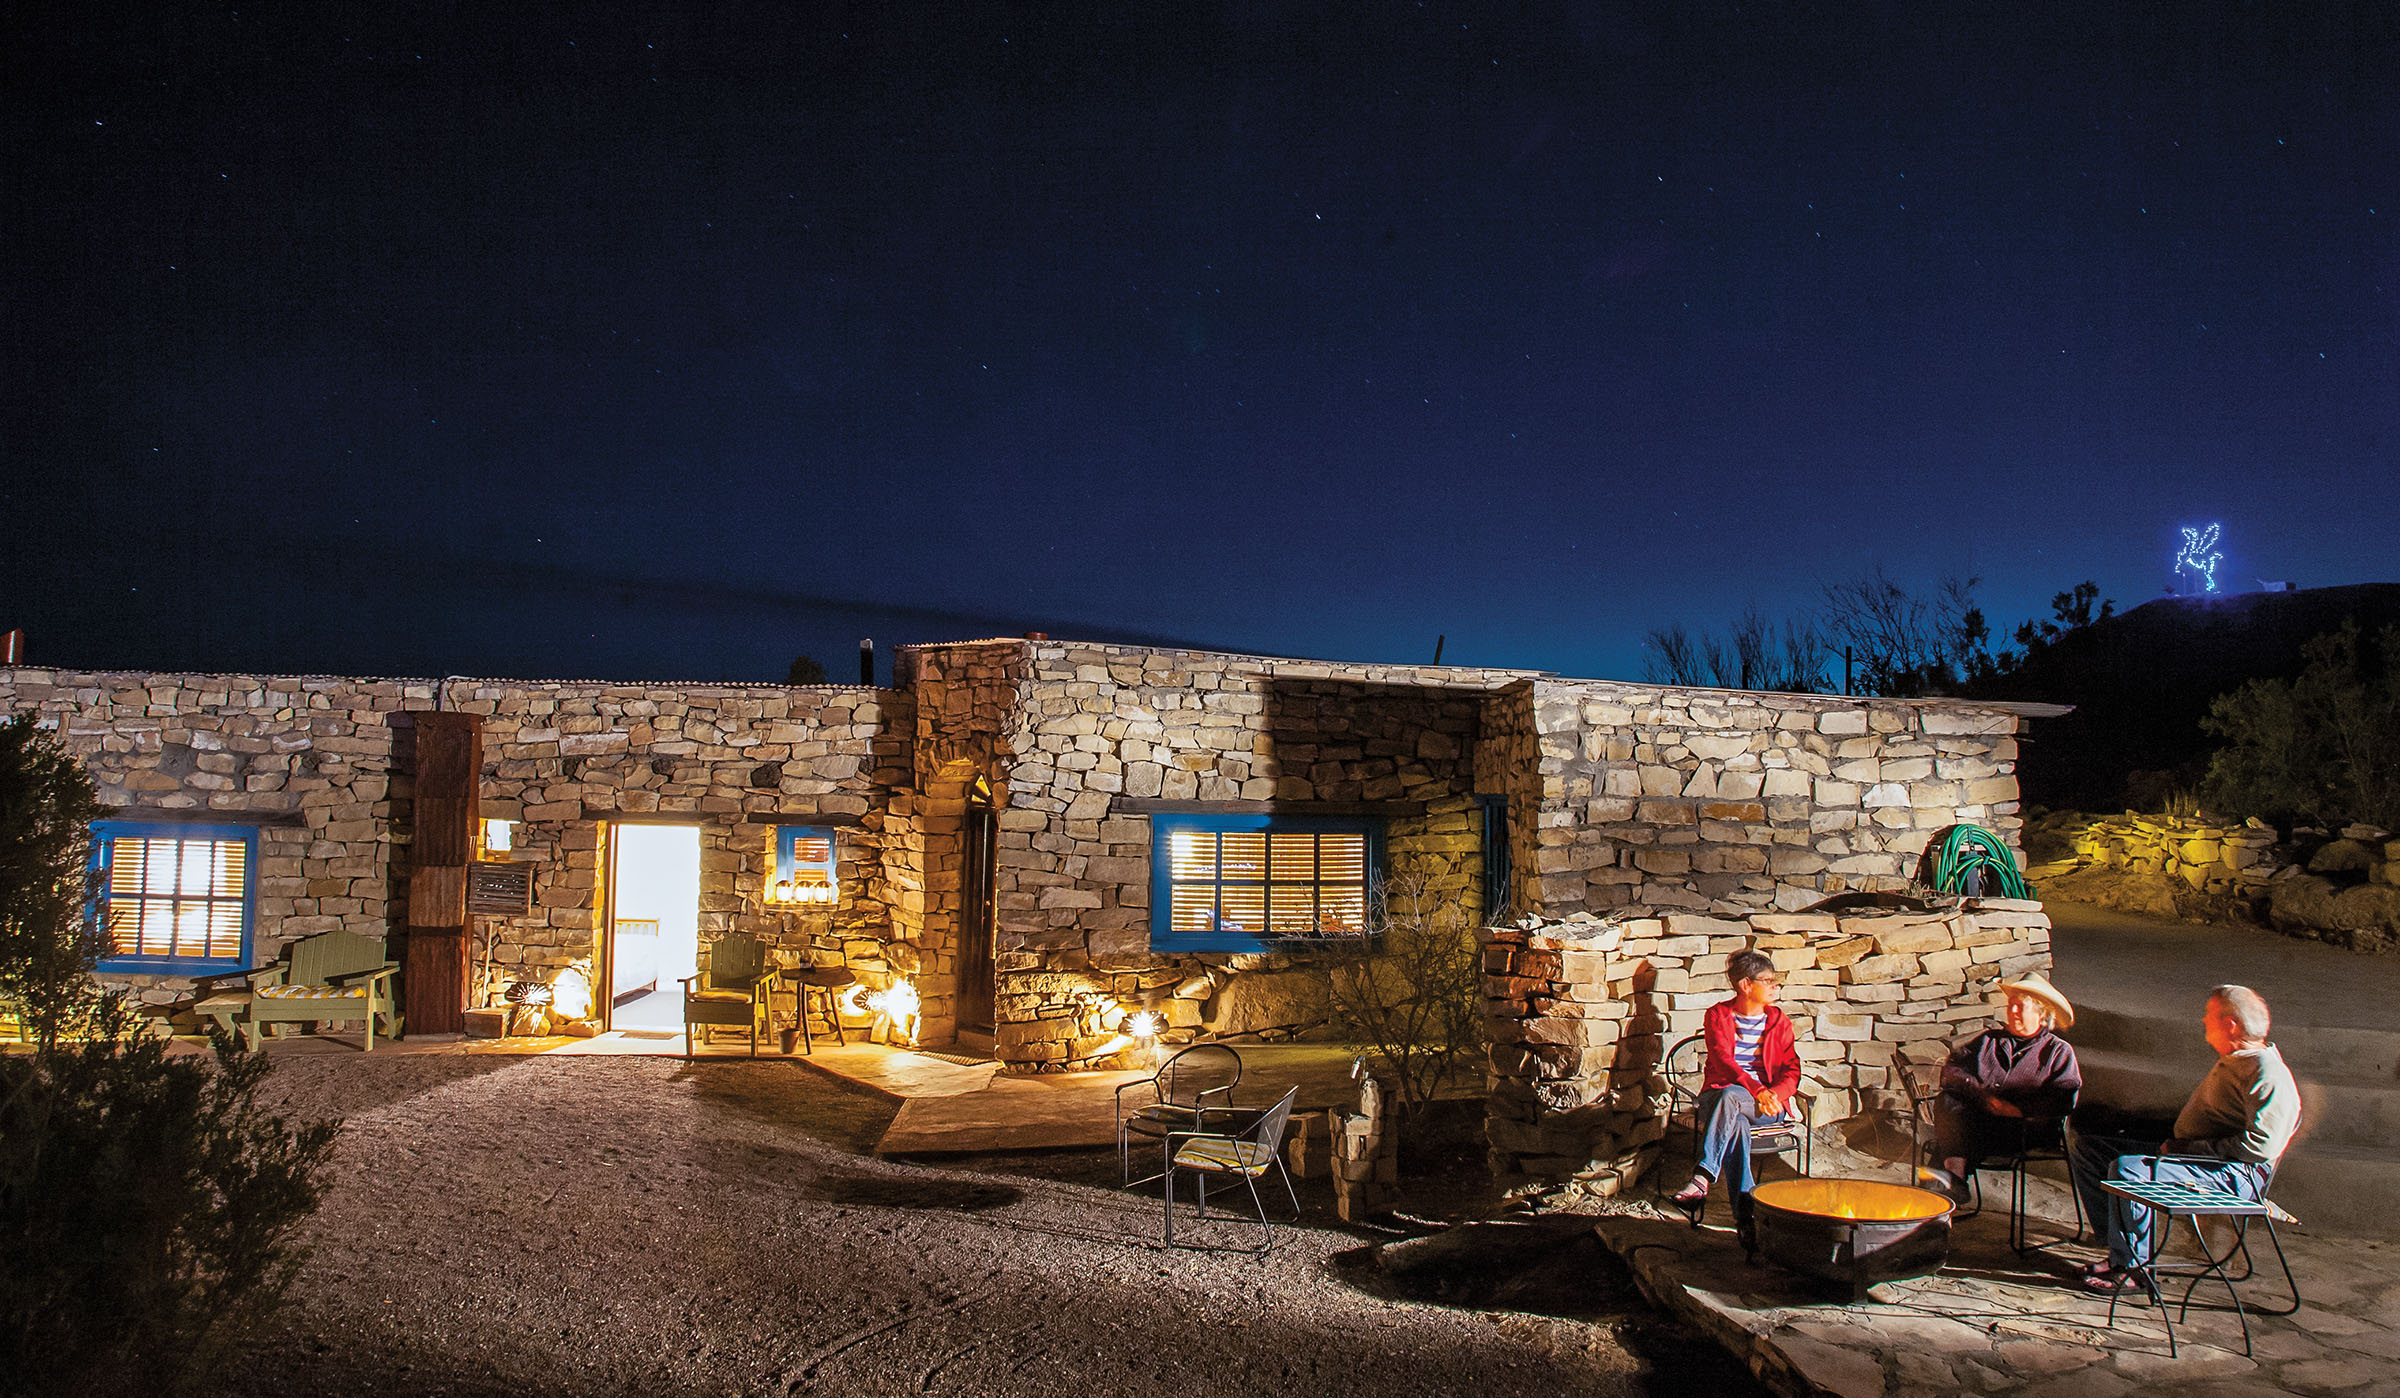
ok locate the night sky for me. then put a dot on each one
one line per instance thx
(670, 341)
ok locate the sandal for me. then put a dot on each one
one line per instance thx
(2116, 1281)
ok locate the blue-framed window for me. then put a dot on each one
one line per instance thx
(805, 872)
(176, 899)
(1251, 883)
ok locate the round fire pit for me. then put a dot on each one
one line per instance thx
(1853, 1233)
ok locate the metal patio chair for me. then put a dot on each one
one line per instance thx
(1191, 1091)
(1683, 1069)
(1247, 1155)
(2038, 1139)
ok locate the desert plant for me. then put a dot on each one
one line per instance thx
(48, 936)
(1408, 986)
(147, 1200)
(2324, 746)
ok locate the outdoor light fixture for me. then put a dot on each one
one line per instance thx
(804, 868)
(806, 887)
(499, 836)
(571, 993)
(1144, 1025)
(895, 1013)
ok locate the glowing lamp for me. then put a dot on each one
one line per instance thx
(571, 993)
(896, 1011)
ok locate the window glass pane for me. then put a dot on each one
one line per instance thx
(1244, 856)
(1294, 857)
(1192, 855)
(1341, 909)
(1192, 908)
(1291, 910)
(1342, 858)
(1242, 908)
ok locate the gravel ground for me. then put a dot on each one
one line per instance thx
(531, 1226)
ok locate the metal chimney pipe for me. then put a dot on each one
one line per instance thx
(866, 661)
(12, 648)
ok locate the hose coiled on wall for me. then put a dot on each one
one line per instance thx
(1961, 855)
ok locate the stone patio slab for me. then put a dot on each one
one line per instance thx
(1993, 1323)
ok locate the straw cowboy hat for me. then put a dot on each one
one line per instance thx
(2039, 987)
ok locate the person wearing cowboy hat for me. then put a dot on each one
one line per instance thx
(2005, 1085)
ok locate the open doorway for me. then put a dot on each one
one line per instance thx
(653, 923)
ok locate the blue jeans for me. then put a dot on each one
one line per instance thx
(1725, 1116)
(2125, 1228)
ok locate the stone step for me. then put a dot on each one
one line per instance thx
(2342, 1177)
(2367, 1057)
(2332, 1113)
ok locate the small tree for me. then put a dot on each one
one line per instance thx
(48, 936)
(2324, 746)
(1409, 986)
(806, 669)
(147, 1201)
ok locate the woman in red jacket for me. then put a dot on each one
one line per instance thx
(1753, 1070)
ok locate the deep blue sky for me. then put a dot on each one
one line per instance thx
(669, 341)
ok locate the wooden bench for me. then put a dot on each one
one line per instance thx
(332, 977)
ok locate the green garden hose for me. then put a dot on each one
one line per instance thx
(1961, 850)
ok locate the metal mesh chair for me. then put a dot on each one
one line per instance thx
(1684, 1069)
(1191, 1091)
(2037, 1139)
(1247, 1155)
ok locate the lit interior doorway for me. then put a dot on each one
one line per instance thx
(654, 923)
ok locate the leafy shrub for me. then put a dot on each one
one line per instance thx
(147, 1201)
(1409, 986)
(2325, 746)
(146, 1207)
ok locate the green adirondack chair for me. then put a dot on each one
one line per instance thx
(332, 977)
(731, 991)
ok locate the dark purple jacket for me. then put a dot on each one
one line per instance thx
(2037, 1076)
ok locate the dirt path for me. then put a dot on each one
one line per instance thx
(603, 1226)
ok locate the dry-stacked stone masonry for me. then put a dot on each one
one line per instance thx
(1585, 1010)
(1617, 797)
(319, 766)
(1612, 799)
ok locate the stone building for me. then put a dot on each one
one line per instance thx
(1047, 840)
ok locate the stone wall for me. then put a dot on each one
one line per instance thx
(320, 766)
(1093, 739)
(1644, 797)
(2211, 856)
(1584, 1011)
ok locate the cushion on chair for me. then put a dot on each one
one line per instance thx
(311, 992)
(1247, 1157)
(734, 997)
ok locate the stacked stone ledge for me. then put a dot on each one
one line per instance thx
(1584, 1011)
(2215, 857)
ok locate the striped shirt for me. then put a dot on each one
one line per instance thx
(1747, 1031)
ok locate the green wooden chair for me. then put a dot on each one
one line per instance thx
(332, 977)
(731, 990)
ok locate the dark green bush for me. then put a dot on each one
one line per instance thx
(147, 1204)
(2323, 747)
(147, 1200)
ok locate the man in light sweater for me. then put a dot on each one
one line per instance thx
(2229, 1134)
